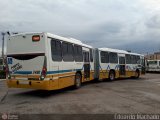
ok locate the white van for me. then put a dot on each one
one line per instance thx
(153, 66)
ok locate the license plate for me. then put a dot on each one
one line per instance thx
(23, 82)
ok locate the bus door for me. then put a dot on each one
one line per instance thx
(122, 66)
(86, 66)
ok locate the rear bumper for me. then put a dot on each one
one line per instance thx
(32, 84)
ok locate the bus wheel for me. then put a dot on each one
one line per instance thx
(111, 75)
(137, 74)
(78, 78)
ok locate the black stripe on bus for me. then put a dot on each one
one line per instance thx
(25, 56)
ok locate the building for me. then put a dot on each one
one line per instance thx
(155, 56)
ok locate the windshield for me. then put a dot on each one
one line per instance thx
(152, 62)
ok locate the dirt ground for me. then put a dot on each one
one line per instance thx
(120, 96)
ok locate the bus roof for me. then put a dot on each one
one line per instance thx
(119, 51)
(113, 50)
(26, 33)
(71, 40)
(136, 54)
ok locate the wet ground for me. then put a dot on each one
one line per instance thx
(121, 96)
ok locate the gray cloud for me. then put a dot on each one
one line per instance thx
(154, 22)
(137, 46)
(105, 23)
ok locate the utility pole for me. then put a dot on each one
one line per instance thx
(3, 35)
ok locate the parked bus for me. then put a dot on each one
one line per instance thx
(49, 62)
(113, 63)
(153, 66)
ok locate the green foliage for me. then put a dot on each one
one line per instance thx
(2, 74)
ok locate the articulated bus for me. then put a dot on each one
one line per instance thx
(48, 62)
(153, 66)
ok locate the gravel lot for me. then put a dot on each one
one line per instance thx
(121, 96)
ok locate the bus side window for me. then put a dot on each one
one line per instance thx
(113, 57)
(70, 52)
(133, 59)
(138, 60)
(128, 59)
(86, 56)
(91, 55)
(67, 51)
(104, 57)
(78, 53)
(56, 50)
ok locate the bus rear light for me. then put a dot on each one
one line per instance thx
(43, 73)
(35, 38)
(44, 69)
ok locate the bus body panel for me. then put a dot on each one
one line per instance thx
(25, 57)
(26, 67)
(23, 43)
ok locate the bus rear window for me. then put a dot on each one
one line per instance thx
(25, 56)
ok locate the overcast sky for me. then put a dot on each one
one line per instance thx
(125, 24)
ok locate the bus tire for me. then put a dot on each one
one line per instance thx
(137, 74)
(111, 75)
(78, 79)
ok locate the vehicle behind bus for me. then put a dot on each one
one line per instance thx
(153, 66)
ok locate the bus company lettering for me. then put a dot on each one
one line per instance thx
(16, 67)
